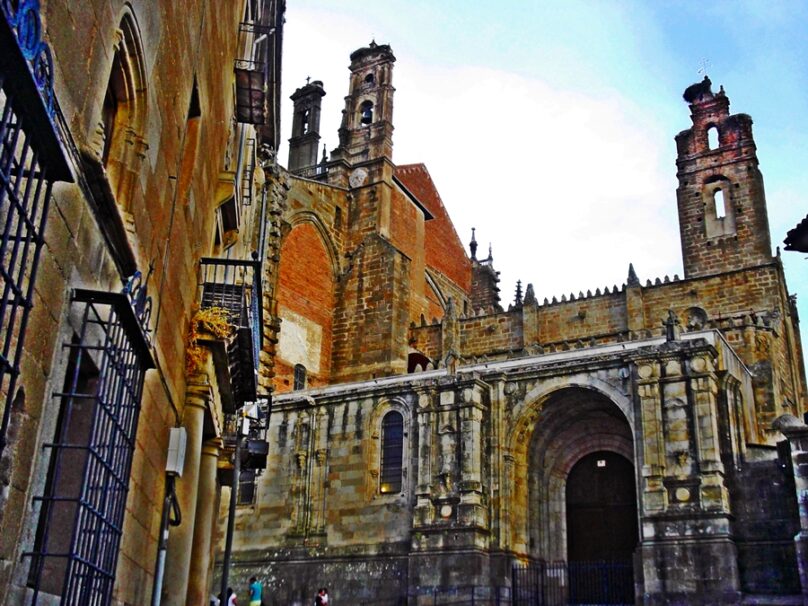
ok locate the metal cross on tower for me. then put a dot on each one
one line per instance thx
(705, 63)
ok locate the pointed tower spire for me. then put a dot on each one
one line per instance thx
(530, 296)
(517, 300)
(473, 246)
(490, 256)
(632, 280)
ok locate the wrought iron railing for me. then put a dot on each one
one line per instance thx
(543, 583)
(459, 595)
(235, 286)
(312, 172)
(246, 192)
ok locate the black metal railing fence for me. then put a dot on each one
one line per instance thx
(541, 583)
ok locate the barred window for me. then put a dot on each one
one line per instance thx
(82, 507)
(392, 458)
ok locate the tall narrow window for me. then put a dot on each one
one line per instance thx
(73, 426)
(116, 93)
(720, 209)
(123, 115)
(300, 377)
(392, 453)
(712, 138)
(190, 145)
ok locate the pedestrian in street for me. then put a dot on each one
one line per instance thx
(325, 596)
(232, 600)
(256, 592)
(318, 599)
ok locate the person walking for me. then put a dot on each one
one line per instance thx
(256, 592)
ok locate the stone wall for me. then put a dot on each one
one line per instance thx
(749, 307)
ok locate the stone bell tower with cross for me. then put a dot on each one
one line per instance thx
(305, 140)
(723, 221)
(366, 132)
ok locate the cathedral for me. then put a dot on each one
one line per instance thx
(425, 441)
(214, 367)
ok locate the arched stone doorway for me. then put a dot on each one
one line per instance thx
(601, 509)
(575, 425)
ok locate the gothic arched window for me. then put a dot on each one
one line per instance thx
(392, 457)
(123, 114)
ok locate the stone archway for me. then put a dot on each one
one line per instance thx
(574, 422)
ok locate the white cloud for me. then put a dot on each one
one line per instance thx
(568, 187)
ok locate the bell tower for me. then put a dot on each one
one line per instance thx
(305, 140)
(366, 132)
(723, 221)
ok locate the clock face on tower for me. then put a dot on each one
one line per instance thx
(358, 177)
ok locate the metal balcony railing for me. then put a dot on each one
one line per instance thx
(315, 172)
(235, 286)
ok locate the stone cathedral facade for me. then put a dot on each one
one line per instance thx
(424, 438)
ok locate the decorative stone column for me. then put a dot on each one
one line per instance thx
(424, 513)
(206, 510)
(471, 511)
(181, 538)
(797, 433)
(653, 437)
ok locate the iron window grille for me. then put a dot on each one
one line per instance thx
(31, 160)
(82, 509)
(235, 286)
(392, 453)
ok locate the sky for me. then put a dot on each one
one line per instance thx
(549, 126)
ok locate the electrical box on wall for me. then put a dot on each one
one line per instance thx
(176, 451)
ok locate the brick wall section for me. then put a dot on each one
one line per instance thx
(444, 251)
(426, 339)
(372, 313)
(407, 235)
(486, 335)
(579, 319)
(484, 288)
(307, 289)
(330, 205)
